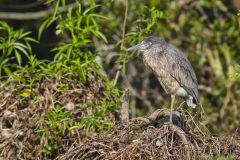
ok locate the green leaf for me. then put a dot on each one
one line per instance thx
(63, 2)
(98, 16)
(102, 36)
(26, 93)
(47, 22)
(56, 8)
(31, 39)
(89, 9)
(20, 45)
(18, 56)
(24, 51)
(22, 35)
(7, 71)
(9, 50)
(29, 47)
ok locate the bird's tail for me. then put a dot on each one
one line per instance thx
(190, 102)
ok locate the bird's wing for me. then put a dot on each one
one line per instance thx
(180, 68)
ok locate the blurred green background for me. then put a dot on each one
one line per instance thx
(206, 30)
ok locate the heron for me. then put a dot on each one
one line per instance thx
(172, 69)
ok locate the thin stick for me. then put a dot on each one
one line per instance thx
(124, 24)
(125, 104)
(123, 38)
(117, 75)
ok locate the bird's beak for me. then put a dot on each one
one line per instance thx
(136, 47)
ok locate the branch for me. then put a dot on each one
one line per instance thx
(22, 6)
(124, 109)
(34, 15)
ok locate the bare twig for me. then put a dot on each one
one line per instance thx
(117, 75)
(124, 24)
(123, 38)
(34, 15)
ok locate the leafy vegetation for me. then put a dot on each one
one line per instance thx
(57, 122)
(14, 45)
(71, 60)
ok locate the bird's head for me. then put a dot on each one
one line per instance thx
(148, 43)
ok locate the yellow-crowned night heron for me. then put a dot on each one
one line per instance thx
(172, 68)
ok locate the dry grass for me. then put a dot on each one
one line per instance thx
(140, 138)
(20, 106)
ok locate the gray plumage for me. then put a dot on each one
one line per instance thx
(172, 68)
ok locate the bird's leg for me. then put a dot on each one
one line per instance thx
(171, 111)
